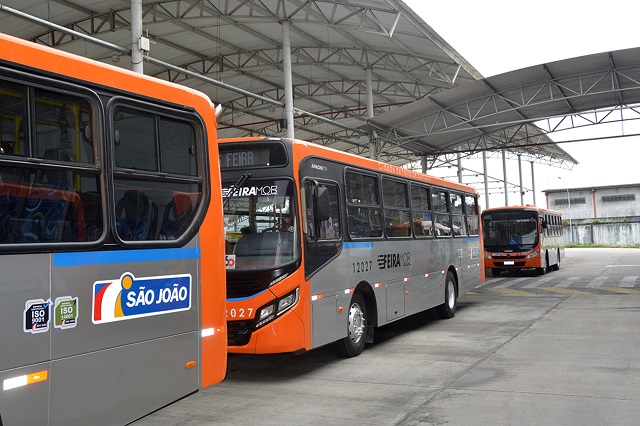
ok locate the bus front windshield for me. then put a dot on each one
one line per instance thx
(260, 226)
(510, 231)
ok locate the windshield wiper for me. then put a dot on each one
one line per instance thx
(238, 184)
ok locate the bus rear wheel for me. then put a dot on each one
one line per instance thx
(353, 344)
(448, 308)
(556, 267)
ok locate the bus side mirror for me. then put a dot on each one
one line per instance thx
(544, 224)
(322, 211)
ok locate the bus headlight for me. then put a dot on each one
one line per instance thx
(268, 313)
(487, 255)
(288, 301)
(534, 254)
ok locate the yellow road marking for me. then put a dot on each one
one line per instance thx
(621, 290)
(511, 291)
(563, 290)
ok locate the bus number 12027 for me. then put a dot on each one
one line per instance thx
(362, 266)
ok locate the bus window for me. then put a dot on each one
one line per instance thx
(421, 208)
(48, 201)
(157, 183)
(13, 104)
(396, 208)
(471, 209)
(323, 235)
(323, 229)
(60, 129)
(363, 206)
(260, 224)
(457, 215)
(177, 147)
(440, 199)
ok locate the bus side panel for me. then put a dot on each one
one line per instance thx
(469, 274)
(112, 359)
(411, 299)
(395, 299)
(24, 288)
(331, 290)
(118, 331)
(136, 378)
(324, 321)
(24, 405)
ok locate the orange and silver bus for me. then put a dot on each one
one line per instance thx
(323, 246)
(111, 306)
(522, 237)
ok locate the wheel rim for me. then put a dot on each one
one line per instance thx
(451, 295)
(356, 323)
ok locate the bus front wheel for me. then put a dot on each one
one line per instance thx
(448, 308)
(353, 344)
(496, 272)
(545, 266)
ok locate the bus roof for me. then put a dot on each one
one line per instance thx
(32, 55)
(526, 207)
(310, 148)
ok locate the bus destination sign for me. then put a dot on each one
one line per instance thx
(263, 155)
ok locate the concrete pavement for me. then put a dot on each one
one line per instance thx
(504, 359)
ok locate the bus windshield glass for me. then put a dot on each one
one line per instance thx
(510, 231)
(260, 226)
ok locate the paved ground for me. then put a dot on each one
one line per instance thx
(560, 349)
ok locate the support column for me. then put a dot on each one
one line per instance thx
(504, 174)
(288, 79)
(533, 184)
(137, 56)
(423, 163)
(369, 80)
(520, 172)
(459, 168)
(486, 179)
(369, 88)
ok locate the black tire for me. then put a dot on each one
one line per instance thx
(495, 272)
(353, 344)
(545, 266)
(448, 308)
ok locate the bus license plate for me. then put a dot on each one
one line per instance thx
(508, 263)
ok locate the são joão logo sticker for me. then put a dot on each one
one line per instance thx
(130, 297)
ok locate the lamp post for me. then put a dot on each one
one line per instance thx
(569, 203)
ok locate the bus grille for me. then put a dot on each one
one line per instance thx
(239, 332)
(236, 289)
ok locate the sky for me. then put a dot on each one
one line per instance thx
(497, 36)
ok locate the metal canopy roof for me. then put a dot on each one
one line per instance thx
(216, 45)
(499, 112)
(239, 42)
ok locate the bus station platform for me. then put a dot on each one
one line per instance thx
(522, 349)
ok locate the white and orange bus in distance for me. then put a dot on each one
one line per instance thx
(522, 237)
(324, 246)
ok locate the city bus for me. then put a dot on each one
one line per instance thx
(324, 246)
(522, 237)
(111, 306)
